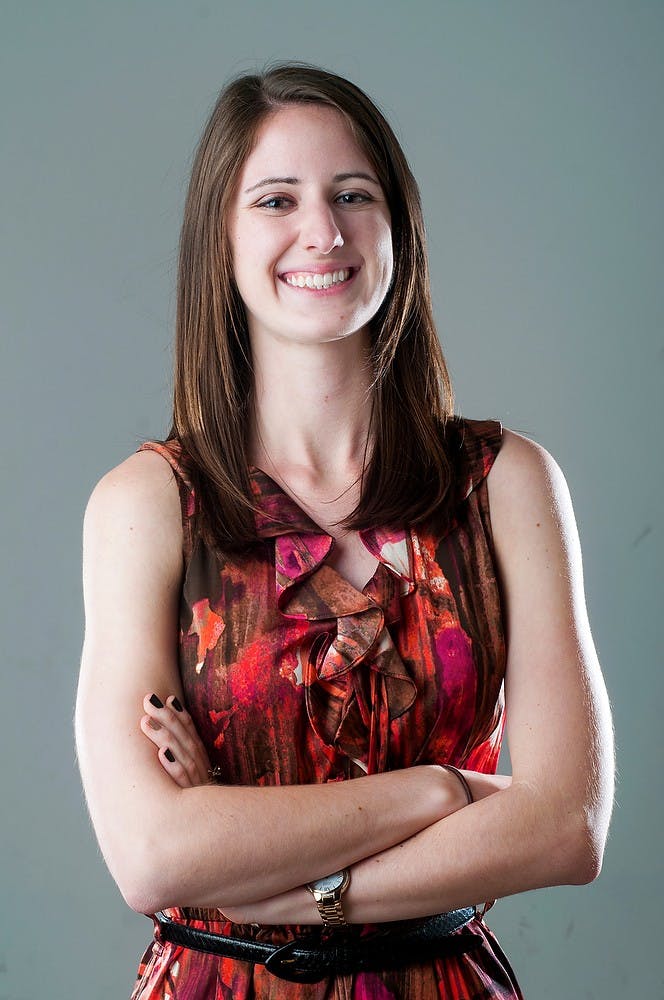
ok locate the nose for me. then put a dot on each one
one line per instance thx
(320, 229)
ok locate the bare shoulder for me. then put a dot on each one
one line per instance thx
(137, 502)
(534, 528)
(526, 486)
(145, 475)
(523, 467)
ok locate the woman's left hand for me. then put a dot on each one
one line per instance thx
(171, 729)
(180, 749)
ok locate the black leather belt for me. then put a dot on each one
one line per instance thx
(300, 961)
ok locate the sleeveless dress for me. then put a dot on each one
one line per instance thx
(293, 676)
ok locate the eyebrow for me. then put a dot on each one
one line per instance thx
(338, 178)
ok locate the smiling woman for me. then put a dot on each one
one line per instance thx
(308, 607)
(308, 225)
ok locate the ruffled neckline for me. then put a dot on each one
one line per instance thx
(356, 684)
(278, 515)
(358, 691)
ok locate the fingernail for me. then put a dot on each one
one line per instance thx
(153, 724)
(168, 755)
(157, 702)
(176, 704)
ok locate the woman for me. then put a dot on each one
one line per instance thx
(360, 582)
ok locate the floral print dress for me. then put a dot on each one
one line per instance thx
(293, 676)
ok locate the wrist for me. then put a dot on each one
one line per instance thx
(295, 906)
(445, 792)
(483, 785)
(328, 893)
(460, 777)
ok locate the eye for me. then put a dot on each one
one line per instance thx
(275, 203)
(353, 198)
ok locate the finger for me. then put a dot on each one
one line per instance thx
(174, 717)
(153, 730)
(174, 767)
(164, 716)
(152, 701)
(179, 733)
(153, 705)
(164, 740)
(190, 739)
(165, 735)
(183, 716)
(198, 774)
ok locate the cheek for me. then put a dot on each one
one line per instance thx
(257, 249)
(385, 254)
(246, 262)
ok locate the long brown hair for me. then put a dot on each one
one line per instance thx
(407, 476)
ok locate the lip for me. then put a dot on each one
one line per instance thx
(338, 289)
(327, 268)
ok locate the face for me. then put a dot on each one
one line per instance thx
(309, 230)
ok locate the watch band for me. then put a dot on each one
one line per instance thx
(332, 913)
(328, 900)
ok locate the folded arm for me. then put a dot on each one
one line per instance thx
(208, 845)
(412, 848)
(549, 825)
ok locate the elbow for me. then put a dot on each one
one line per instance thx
(144, 879)
(143, 896)
(157, 878)
(586, 865)
(585, 851)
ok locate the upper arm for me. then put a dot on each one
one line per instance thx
(132, 567)
(558, 722)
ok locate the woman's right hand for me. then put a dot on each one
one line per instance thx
(180, 749)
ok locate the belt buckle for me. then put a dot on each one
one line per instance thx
(282, 964)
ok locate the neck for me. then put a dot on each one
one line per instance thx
(312, 409)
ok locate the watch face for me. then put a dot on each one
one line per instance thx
(329, 883)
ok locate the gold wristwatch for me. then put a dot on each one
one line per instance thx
(328, 892)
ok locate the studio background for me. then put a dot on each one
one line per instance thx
(535, 131)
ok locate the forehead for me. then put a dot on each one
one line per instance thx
(303, 140)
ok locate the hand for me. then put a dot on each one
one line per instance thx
(295, 906)
(171, 729)
(482, 784)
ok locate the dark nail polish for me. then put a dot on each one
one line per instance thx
(176, 704)
(153, 724)
(168, 755)
(157, 702)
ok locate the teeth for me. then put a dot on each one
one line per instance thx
(304, 280)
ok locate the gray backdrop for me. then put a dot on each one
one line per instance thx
(535, 130)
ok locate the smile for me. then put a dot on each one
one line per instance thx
(306, 279)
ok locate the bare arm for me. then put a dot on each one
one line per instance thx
(210, 845)
(549, 825)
